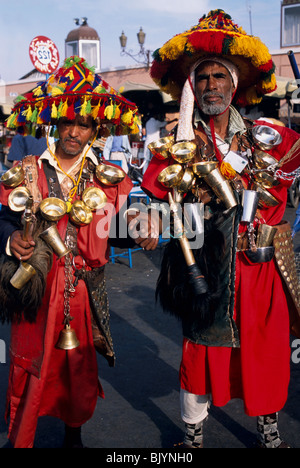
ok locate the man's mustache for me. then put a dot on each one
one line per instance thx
(72, 140)
(212, 94)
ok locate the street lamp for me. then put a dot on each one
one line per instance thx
(143, 56)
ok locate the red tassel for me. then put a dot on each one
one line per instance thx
(159, 69)
(211, 42)
(71, 112)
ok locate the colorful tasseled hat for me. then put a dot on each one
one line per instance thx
(216, 35)
(74, 89)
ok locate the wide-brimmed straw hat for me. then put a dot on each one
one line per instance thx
(216, 35)
(74, 90)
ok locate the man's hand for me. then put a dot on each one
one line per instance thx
(144, 228)
(21, 249)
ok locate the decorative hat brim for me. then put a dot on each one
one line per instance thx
(216, 35)
(74, 90)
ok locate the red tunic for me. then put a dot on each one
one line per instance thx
(45, 380)
(259, 371)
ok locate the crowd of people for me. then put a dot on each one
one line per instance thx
(236, 294)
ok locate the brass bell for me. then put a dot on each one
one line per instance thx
(67, 339)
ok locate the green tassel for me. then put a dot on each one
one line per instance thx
(88, 109)
(59, 110)
(33, 118)
(20, 98)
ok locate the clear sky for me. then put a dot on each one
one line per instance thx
(22, 20)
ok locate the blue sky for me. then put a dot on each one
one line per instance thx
(22, 20)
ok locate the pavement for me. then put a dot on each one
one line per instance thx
(141, 406)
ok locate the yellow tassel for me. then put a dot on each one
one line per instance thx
(28, 113)
(69, 206)
(95, 111)
(64, 109)
(54, 111)
(83, 108)
(109, 111)
(227, 171)
(99, 89)
(10, 120)
(70, 75)
(117, 112)
(127, 117)
(57, 91)
(38, 91)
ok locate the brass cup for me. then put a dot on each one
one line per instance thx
(52, 238)
(161, 148)
(265, 235)
(265, 180)
(187, 181)
(13, 177)
(266, 137)
(203, 168)
(109, 175)
(67, 339)
(263, 160)
(265, 197)
(53, 209)
(17, 199)
(171, 176)
(23, 274)
(81, 214)
(94, 198)
(184, 151)
(221, 188)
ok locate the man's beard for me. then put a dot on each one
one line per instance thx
(68, 150)
(213, 108)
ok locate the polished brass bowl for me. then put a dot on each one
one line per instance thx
(94, 198)
(171, 176)
(265, 180)
(187, 181)
(80, 213)
(266, 137)
(263, 160)
(17, 199)
(202, 168)
(161, 148)
(109, 175)
(266, 199)
(13, 177)
(184, 151)
(53, 209)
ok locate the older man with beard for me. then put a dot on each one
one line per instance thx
(236, 336)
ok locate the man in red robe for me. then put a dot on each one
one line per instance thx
(46, 377)
(236, 335)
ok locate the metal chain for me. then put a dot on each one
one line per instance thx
(69, 288)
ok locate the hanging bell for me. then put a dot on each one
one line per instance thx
(67, 339)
